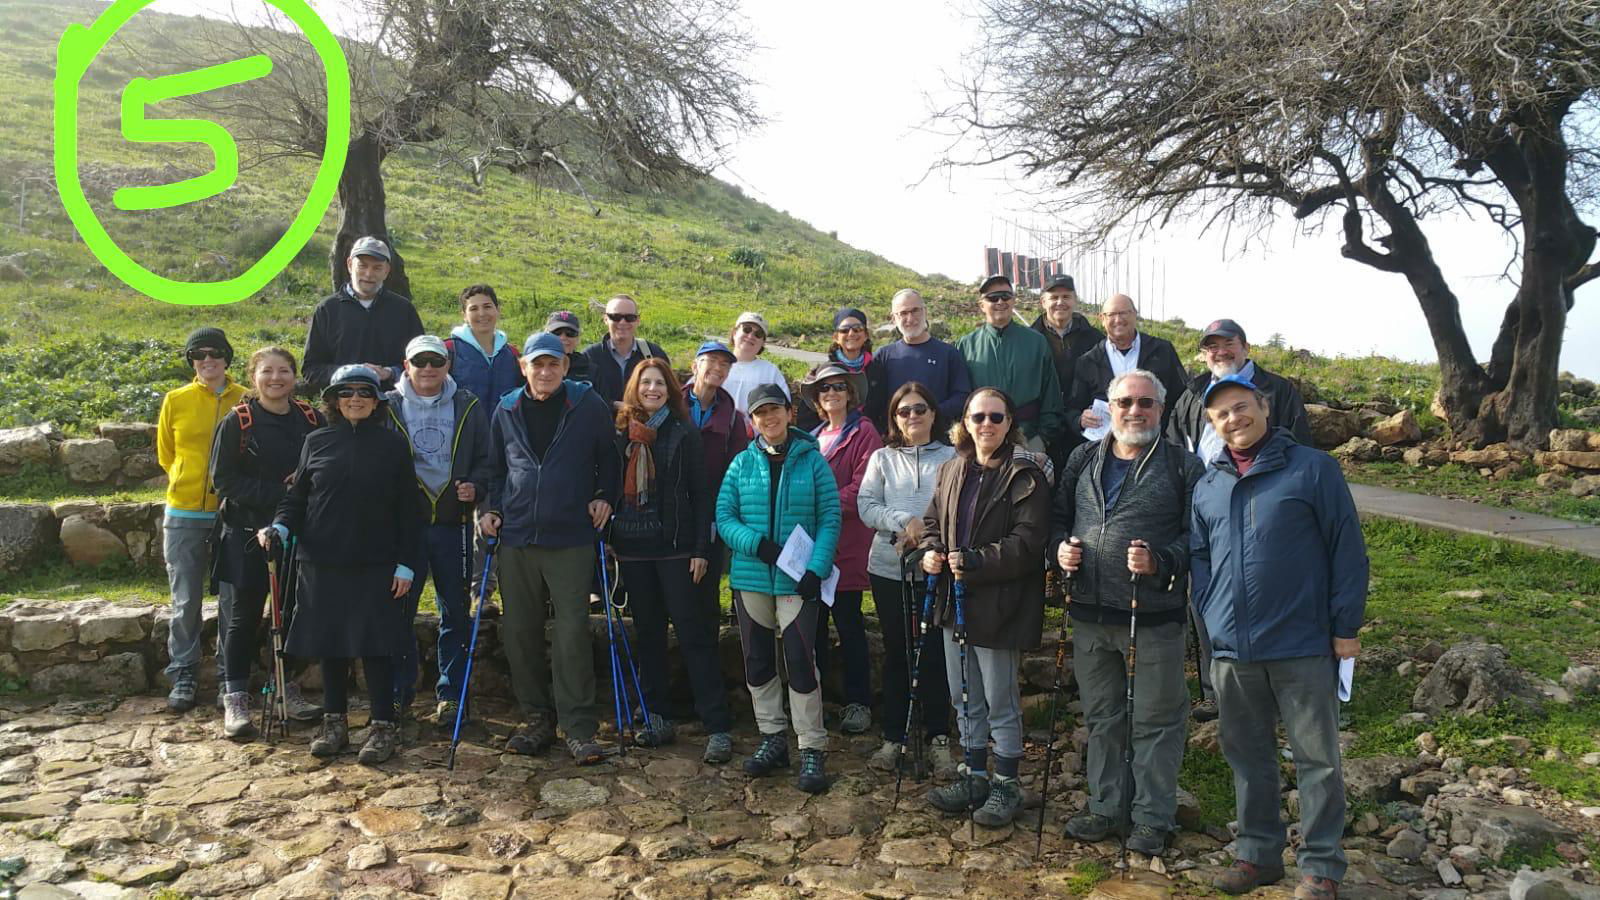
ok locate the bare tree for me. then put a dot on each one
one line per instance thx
(1377, 114)
(644, 89)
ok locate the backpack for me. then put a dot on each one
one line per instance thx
(247, 419)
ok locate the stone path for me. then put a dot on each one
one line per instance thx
(1476, 518)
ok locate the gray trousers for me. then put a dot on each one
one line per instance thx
(761, 618)
(183, 544)
(1160, 714)
(1251, 698)
(994, 698)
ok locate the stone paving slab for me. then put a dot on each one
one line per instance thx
(1475, 518)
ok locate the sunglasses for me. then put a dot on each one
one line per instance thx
(623, 317)
(429, 361)
(1000, 297)
(1128, 402)
(751, 328)
(996, 418)
(915, 409)
(831, 386)
(364, 393)
(565, 332)
(200, 353)
(847, 329)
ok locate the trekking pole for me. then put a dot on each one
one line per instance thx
(472, 648)
(625, 658)
(1052, 582)
(958, 593)
(276, 701)
(1127, 715)
(618, 686)
(916, 678)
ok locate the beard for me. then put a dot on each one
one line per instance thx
(1136, 437)
(1224, 368)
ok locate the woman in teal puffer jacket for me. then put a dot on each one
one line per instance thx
(776, 483)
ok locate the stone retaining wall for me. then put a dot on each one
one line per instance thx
(122, 454)
(86, 533)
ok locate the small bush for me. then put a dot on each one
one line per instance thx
(748, 257)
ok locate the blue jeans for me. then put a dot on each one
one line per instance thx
(441, 557)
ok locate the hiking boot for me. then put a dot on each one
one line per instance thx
(719, 748)
(181, 698)
(886, 757)
(236, 722)
(966, 793)
(1245, 876)
(813, 777)
(1313, 888)
(585, 752)
(771, 755)
(855, 719)
(657, 732)
(1090, 827)
(444, 715)
(334, 737)
(300, 709)
(940, 758)
(382, 738)
(534, 737)
(1002, 804)
(1147, 839)
(1204, 711)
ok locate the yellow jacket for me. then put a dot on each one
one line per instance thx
(189, 417)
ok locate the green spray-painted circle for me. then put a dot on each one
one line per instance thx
(79, 48)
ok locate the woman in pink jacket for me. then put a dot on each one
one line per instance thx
(847, 440)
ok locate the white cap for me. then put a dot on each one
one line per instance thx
(755, 317)
(426, 343)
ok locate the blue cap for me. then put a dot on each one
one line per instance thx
(1226, 380)
(713, 347)
(543, 344)
(354, 373)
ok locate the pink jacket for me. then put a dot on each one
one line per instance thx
(848, 460)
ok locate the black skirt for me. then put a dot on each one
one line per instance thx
(347, 611)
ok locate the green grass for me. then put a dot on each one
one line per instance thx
(39, 484)
(1464, 483)
(1086, 873)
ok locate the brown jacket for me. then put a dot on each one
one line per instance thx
(1005, 593)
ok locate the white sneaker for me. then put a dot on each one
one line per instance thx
(884, 758)
(300, 709)
(944, 765)
(236, 722)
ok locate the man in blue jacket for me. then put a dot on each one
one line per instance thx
(553, 480)
(1280, 577)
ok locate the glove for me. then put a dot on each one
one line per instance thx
(810, 586)
(767, 552)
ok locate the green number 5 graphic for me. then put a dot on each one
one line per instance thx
(79, 48)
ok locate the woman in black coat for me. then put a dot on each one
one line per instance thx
(661, 535)
(352, 509)
(252, 458)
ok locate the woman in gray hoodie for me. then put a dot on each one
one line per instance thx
(894, 494)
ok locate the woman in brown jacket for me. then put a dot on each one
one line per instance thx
(988, 524)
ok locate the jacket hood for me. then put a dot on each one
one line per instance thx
(1278, 439)
(575, 392)
(463, 333)
(407, 392)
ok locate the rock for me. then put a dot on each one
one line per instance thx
(1357, 449)
(1474, 677)
(1376, 779)
(89, 835)
(88, 544)
(833, 850)
(90, 460)
(312, 843)
(134, 871)
(846, 815)
(1576, 439)
(38, 626)
(113, 624)
(1585, 486)
(1188, 815)
(790, 827)
(437, 863)
(409, 796)
(40, 806)
(1531, 885)
(927, 851)
(1421, 786)
(213, 881)
(366, 856)
(659, 887)
(665, 846)
(28, 445)
(128, 435)
(1581, 679)
(1407, 845)
(1492, 455)
(1496, 829)
(572, 794)
(1331, 427)
(586, 846)
(314, 882)
(929, 882)
(28, 532)
(117, 674)
(1577, 459)
(1400, 428)
(846, 880)
(477, 886)
(725, 826)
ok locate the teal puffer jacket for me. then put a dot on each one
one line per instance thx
(807, 496)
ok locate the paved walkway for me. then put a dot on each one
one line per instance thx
(1476, 518)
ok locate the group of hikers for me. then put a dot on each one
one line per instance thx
(961, 484)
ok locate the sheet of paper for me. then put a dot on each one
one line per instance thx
(1347, 676)
(1103, 410)
(796, 553)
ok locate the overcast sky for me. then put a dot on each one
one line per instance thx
(849, 87)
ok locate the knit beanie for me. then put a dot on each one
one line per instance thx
(209, 337)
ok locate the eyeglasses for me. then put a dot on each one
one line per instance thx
(200, 353)
(915, 409)
(1000, 296)
(565, 332)
(429, 361)
(623, 317)
(752, 328)
(978, 418)
(830, 386)
(847, 329)
(1128, 402)
(364, 393)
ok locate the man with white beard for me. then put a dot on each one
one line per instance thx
(1227, 353)
(918, 356)
(1122, 507)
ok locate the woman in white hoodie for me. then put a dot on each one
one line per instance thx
(894, 495)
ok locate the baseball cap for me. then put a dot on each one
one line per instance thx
(370, 246)
(1061, 281)
(562, 318)
(426, 343)
(543, 344)
(755, 317)
(713, 347)
(993, 280)
(1226, 380)
(1227, 328)
(765, 395)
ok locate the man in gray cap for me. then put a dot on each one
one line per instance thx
(564, 324)
(362, 322)
(1070, 336)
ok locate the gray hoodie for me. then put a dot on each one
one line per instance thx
(896, 489)
(431, 422)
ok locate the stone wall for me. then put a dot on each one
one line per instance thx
(84, 532)
(122, 454)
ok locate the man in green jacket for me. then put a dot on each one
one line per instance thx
(1016, 359)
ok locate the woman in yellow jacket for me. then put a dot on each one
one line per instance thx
(189, 417)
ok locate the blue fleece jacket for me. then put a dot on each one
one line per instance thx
(487, 373)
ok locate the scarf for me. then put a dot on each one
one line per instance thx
(859, 364)
(639, 473)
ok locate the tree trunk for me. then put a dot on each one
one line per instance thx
(362, 210)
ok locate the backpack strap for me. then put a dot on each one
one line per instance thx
(246, 419)
(307, 411)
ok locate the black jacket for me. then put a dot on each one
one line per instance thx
(682, 507)
(1285, 409)
(250, 468)
(1081, 337)
(354, 497)
(342, 332)
(1153, 506)
(1092, 375)
(608, 381)
(469, 455)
